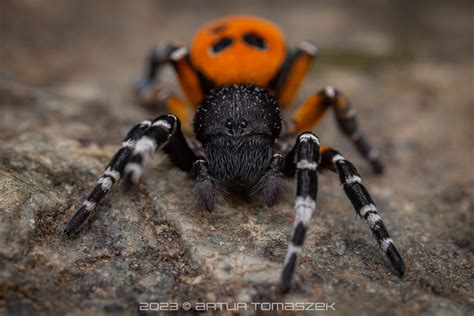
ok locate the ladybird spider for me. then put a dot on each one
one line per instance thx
(237, 76)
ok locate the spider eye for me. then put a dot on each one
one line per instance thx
(228, 124)
(221, 44)
(255, 40)
(243, 124)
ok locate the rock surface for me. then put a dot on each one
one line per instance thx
(65, 105)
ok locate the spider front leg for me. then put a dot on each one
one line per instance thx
(141, 141)
(302, 161)
(312, 111)
(165, 133)
(362, 202)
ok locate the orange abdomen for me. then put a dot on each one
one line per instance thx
(239, 49)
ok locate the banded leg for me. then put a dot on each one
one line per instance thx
(145, 88)
(312, 111)
(172, 103)
(112, 174)
(293, 72)
(164, 133)
(178, 57)
(363, 203)
(152, 94)
(193, 83)
(139, 143)
(305, 157)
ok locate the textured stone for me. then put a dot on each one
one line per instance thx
(62, 118)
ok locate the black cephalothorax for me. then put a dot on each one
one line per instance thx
(238, 129)
(237, 126)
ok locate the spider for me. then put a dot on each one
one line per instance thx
(237, 76)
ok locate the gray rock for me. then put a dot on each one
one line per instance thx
(61, 122)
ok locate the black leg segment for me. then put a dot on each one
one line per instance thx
(305, 157)
(363, 204)
(347, 121)
(111, 175)
(139, 144)
(164, 133)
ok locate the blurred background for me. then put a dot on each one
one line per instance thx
(100, 44)
(65, 103)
